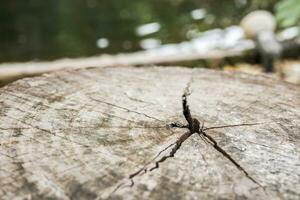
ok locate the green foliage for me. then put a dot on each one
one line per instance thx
(262, 4)
(288, 13)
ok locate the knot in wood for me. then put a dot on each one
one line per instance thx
(195, 126)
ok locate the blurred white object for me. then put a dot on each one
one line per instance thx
(268, 43)
(260, 26)
(208, 40)
(102, 43)
(150, 43)
(232, 36)
(198, 14)
(147, 29)
(258, 21)
(288, 34)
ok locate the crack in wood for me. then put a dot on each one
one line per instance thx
(194, 127)
(112, 127)
(127, 109)
(225, 154)
(138, 100)
(49, 132)
(177, 146)
(232, 125)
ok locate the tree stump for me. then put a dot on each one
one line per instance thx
(99, 133)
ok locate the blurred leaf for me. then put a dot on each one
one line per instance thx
(288, 13)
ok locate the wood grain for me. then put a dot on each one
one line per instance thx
(95, 134)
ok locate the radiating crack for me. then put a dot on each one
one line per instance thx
(232, 125)
(48, 132)
(193, 125)
(127, 109)
(112, 127)
(177, 146)
(13, 128)
(145, 169)
(225, 154)
(137, 99)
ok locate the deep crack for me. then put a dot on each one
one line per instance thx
(225, 154)
(193, 125)
(177, 146)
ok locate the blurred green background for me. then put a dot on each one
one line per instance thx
(46, 30)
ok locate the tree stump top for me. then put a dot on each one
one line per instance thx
(98, 133)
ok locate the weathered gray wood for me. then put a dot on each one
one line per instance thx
(80, 134)
(12, 71)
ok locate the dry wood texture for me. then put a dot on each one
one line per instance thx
(97, 133)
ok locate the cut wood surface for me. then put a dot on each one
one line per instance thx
(97, 133)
